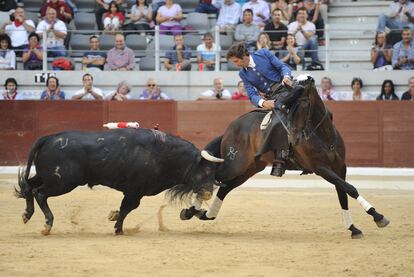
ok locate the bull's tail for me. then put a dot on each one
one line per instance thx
(24, 189)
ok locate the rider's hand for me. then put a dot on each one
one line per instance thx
(268, 104)
(287, 81)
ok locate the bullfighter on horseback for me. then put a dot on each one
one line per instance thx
(267, 80)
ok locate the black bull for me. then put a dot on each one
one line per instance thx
(316, 147)
(137, 162)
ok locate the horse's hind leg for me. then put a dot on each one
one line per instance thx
(333, 178)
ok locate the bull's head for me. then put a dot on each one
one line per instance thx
(204, 176)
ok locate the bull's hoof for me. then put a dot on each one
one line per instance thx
(202, 215)
(113, 215)
(47, 229)
(25, 218)
(356, 233)
(119, 232)
(382, 223)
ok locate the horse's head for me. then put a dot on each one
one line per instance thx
(302, 109)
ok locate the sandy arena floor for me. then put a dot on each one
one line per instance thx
(259, 232)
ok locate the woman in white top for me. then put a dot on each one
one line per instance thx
(11, 90)
(169, 17)
(121, 93)
(140, 16)
(7, 56)
(357, 93)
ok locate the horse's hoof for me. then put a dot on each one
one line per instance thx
(356, 233)
(382, 223)
(202, 215)
(119, 232)
(357, 236)
(25, 218)
(186, 214)
(47, 229)
(113, 215)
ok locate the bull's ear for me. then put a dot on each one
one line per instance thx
(210, 158)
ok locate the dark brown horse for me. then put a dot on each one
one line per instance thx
(316, 147)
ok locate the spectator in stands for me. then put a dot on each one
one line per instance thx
(120, 58)
(403, 51)
(381, 52)
(88, 92)
(113, 19)
(260, 11)
(153, 92)
(304, 32)
(217, 93)
(229, 16)
(56, 33)
(276, 30)
(241, 2)
(11, 90)
(155, 5)
(206, 6)
(7, 5)
(63, 11)
(400, 14)
(247, 32)
(33, 55)
(18, 28)
(285, 10)
(94, 58)
(178, 58)
(409, 94)
(169, 17)
(314, 16)
(241, 93)
(52, 91)
(140, 16)
(206, 53)
(102, 7)
(121, 93)
(296, 6)
(327, 92)
(263, 41)
(291, 54)
(387, 91)
(7, 56)
(357, 93)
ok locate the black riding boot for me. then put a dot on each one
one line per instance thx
(278, 168)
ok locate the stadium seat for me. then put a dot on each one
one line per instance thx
(136, 42)
(187, 5)
(192, 41)
(198, 21)
(79, 43)
(4, 16)
(106, 42)
(147, 63)
(166, 43)
(32, 16)
(85, 5)
(85, 21)
(225, 42)
(33, 5)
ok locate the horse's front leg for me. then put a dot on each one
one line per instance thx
(330, 176)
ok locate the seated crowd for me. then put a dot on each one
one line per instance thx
(153, 91)
(242, 20)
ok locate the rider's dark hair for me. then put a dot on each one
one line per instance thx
(237, 50)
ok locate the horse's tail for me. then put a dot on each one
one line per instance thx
(25, 189)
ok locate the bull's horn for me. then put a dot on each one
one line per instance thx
(210, 158)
